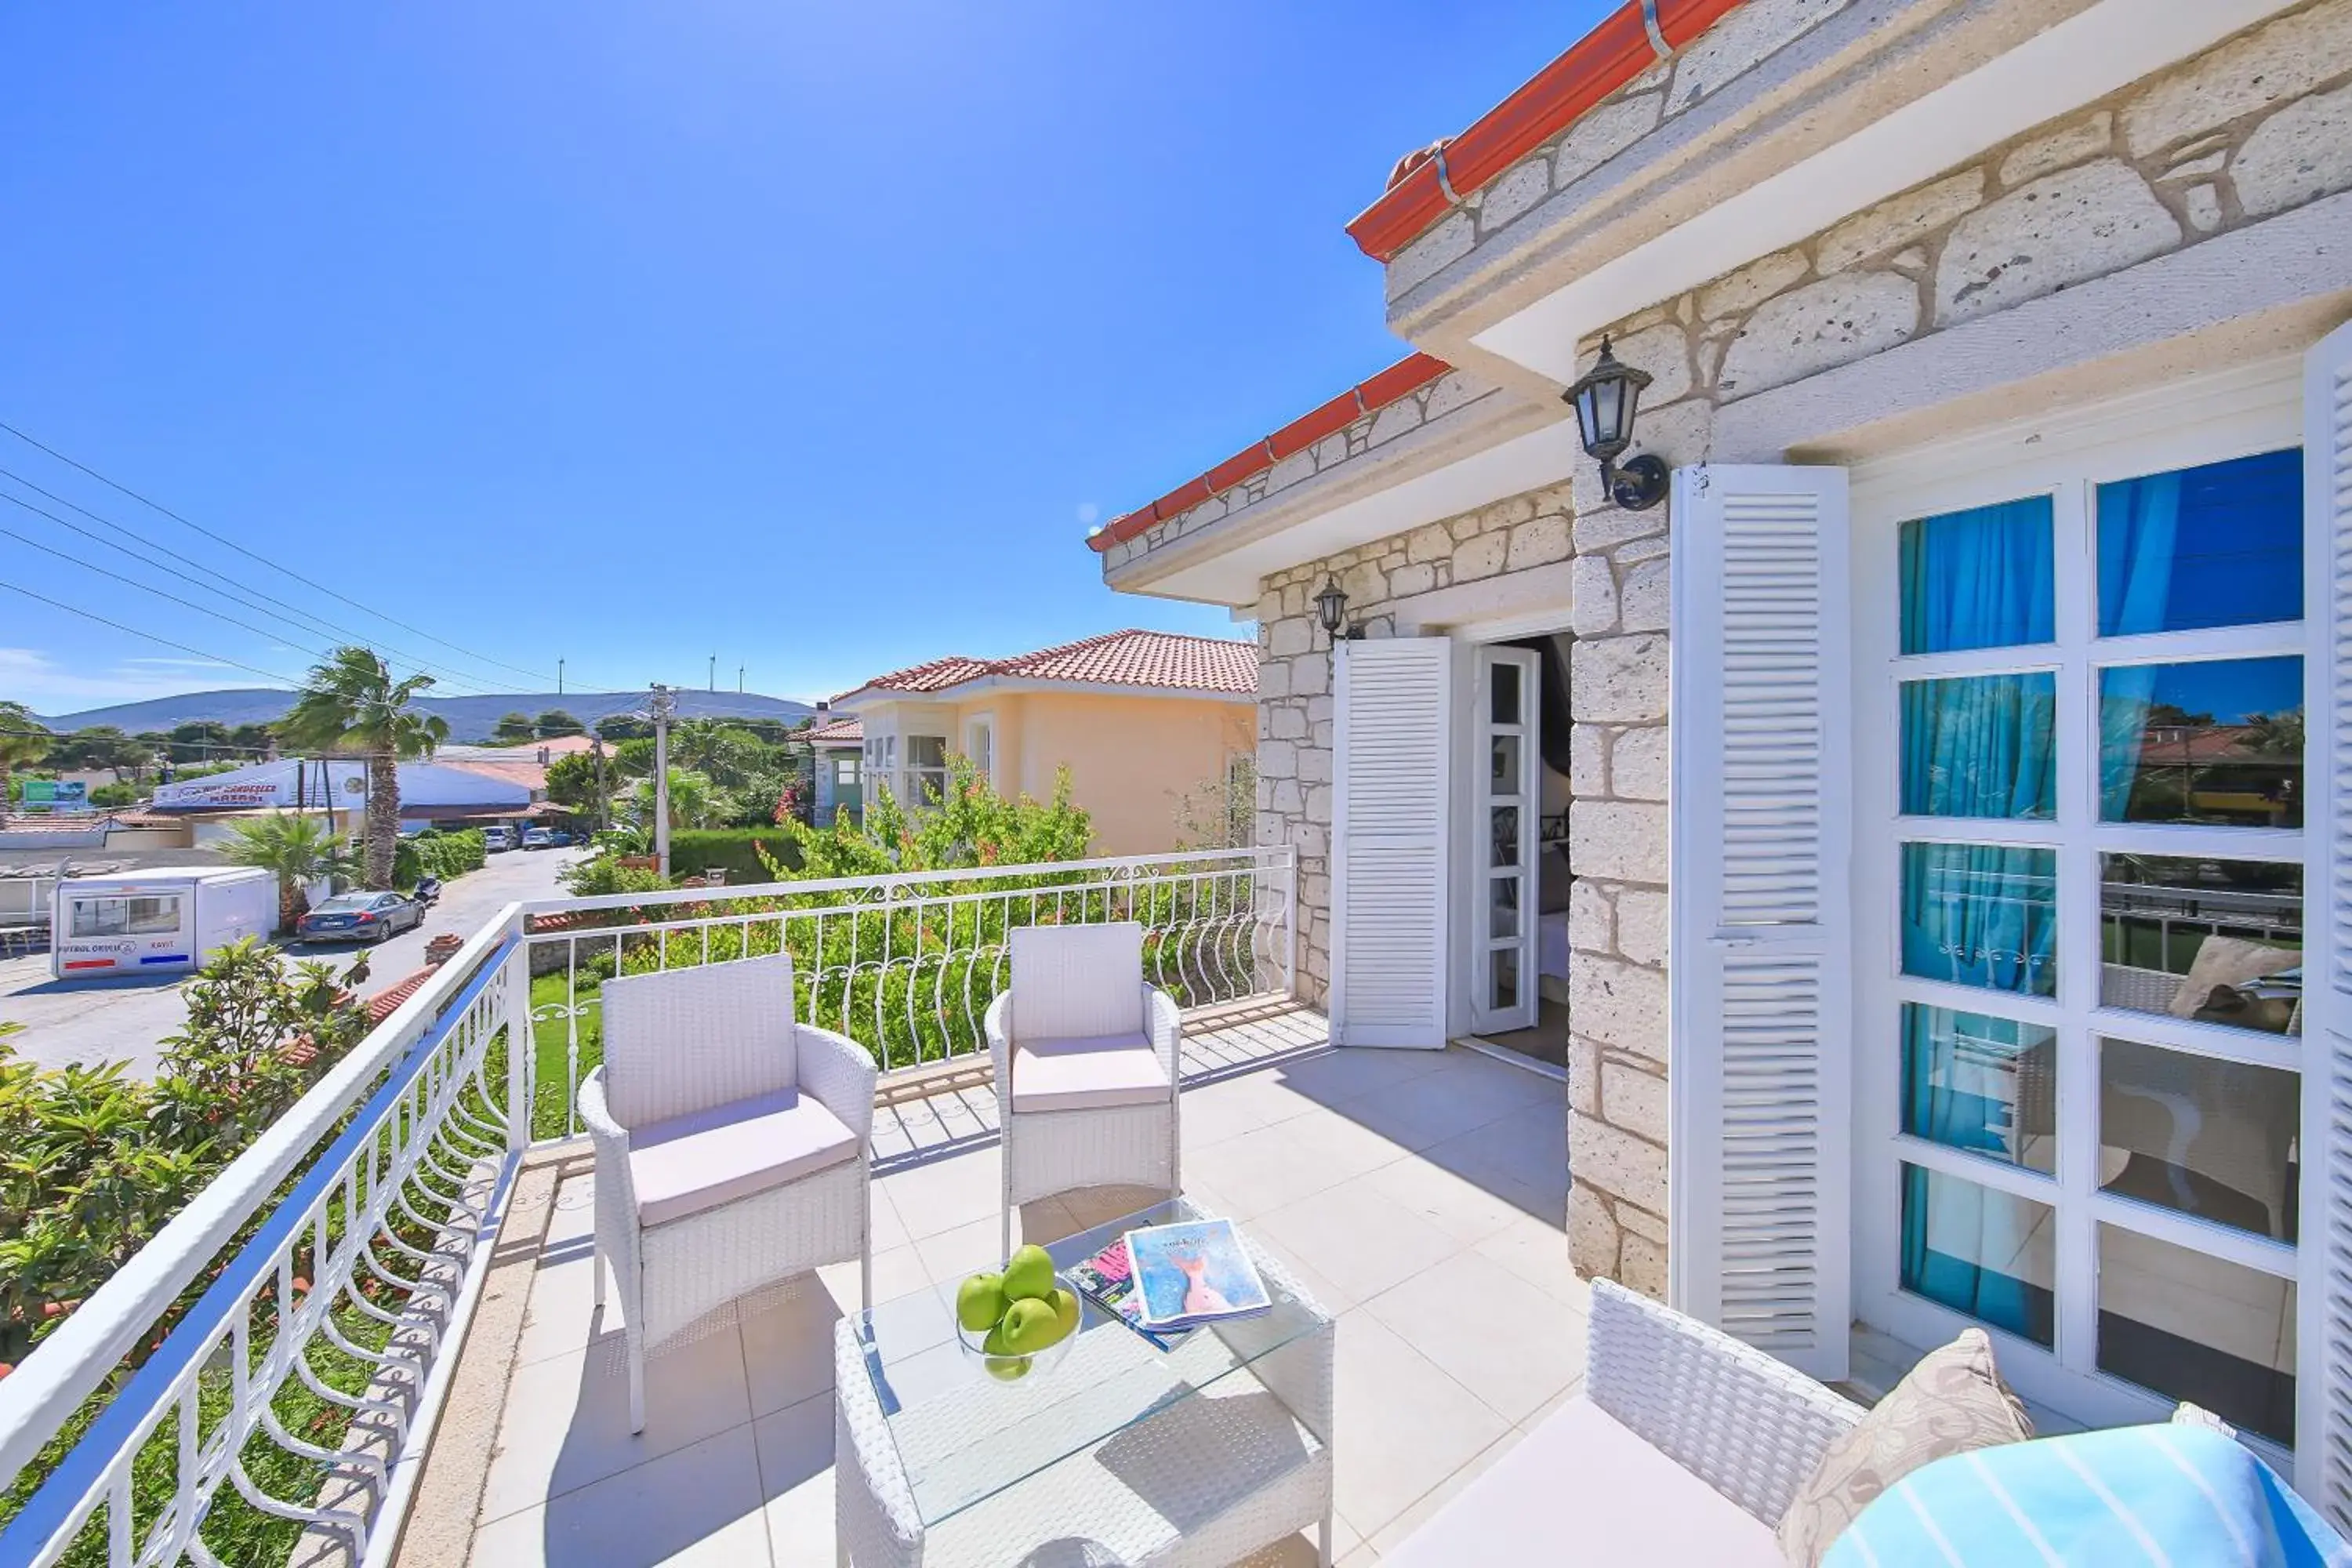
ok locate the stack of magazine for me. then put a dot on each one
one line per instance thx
(1169, 1280)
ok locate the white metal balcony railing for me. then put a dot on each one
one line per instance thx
(266, 1374)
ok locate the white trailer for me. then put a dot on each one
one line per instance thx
(157, 921)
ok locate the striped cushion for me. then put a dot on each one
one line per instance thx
(2118, 1499)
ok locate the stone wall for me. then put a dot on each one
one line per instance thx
(2261, 125)
(1750, 34)
(1294, 692)
(2254, 126)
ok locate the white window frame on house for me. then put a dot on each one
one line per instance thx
(980, 746)
(926, 783)
(2207, 419)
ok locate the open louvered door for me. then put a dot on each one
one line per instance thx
(2324, 1323)
(1390, 765)
(1761, 1011)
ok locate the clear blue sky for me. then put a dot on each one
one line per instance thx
(809, 336)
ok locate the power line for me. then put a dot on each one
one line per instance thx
(273, 566)
(150, 637)
(290, 613)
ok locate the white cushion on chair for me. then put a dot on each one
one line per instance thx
(1086, 1074)
(1073, 983)
(1582, 1488)
(707, 1158)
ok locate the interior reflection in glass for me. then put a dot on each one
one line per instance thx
(2220, 941)
(2208, 1137)
(2216, 741)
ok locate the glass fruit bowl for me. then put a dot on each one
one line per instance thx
(1018, 1368)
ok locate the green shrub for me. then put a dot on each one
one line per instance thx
(114, 794)
(433, 853)
(735, 850)
(604, 874)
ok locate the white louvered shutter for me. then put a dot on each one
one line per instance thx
(1761, 1012)
(1391, 741)
(2324, 1373)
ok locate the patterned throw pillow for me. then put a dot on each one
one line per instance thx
(1952, 1402)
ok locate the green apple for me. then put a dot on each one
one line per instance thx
(1029, 1275)
(1007, 1368)
(980, 1302)
(1030, 1326)
(1066, 1308)
(997, 1343)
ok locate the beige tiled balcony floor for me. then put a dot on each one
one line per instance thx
(1420, 1195)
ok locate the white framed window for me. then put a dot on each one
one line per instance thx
(125, 917)
(980, 746)
(927, 769)
(2082, 667)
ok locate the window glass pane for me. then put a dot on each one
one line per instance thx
(98, 917)
(2219, 545)
(1503, 767)
(2191, 1327)
(1981, 746)
(2217, 742)
(1980, 1083)
(1988, 1253)
(1503, 917)
(1979, 578)
(2217, 941)
(1505, 693)
(152, 917)
(1981, 914)
(1503, 822)
(926, 750)
(1506, 962)
(2210, 1138)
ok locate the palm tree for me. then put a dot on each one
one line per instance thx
(350, 704)
(23, 739)
(299, 849)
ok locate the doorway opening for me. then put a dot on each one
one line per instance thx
(1518, 968)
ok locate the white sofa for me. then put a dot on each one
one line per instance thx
(1683, 1448)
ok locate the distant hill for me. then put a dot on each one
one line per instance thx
(470, 718)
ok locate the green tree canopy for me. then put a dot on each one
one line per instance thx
(297, 848)
(511, 729)
(350, 704)
(556, 721)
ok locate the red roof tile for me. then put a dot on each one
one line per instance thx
(386, 1002)
(841, 731)
(1169, 660)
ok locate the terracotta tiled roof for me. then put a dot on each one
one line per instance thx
(386, 1002)
(840, 732)
(1168, 661)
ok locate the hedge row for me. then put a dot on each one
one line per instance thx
(735, 850)
(433, 853)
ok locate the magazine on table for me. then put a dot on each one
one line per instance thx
(1193, 1273)
(1108, 1280)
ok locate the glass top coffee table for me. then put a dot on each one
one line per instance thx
(1208, 1448)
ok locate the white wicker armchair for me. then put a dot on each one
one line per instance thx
(1086, 1056)
(732, 1147)
(1684, 1446)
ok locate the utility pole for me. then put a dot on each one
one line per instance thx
(738, 678)
(714, 672)
(665, 703)
(559, 677)
(604, 801)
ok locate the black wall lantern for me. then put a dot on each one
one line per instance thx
(1605, 400)
(1331, 609)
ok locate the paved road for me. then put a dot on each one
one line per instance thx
(122, 1020)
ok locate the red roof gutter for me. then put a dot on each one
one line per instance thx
(1620, 49)
(1400, 380)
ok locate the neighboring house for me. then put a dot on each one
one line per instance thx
(1145, 721)
(1961, 748)
(837, 752)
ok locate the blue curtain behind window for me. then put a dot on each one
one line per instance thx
(1981, 914)
(2139, 532)
(1956, 1237)
(1981, 746)
(1979, 578)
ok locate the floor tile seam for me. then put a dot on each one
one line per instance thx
(552, 1497)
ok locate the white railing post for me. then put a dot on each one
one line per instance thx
(1288, 855)
(522, 1041)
